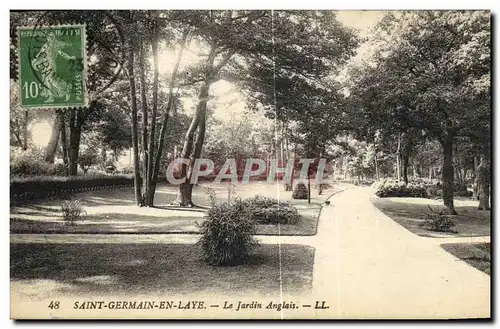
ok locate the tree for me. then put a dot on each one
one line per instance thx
(104, 49)
(19, 121)
(87, 159)
(436, 67)
(223, 33)
(292, 75)
(146, 29)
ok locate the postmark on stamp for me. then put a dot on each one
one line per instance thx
(52, 66)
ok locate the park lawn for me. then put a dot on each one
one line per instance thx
(114, 211)
(169, 269)
(410, 212)
(475, 254)
(134, 220)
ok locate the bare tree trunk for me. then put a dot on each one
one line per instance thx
(398, 159)
(64, 140)
(144, 108)
(51, 149)
(308, 188)
(25, 130)
(135, 142)
(152, 134)
(74, 142)
(475, 193)
(154, 178)
(377, 174)
(483, 179)
(405, 169)
(448, 185)
(287, 148)
(184, 197)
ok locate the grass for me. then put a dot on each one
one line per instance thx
(475, 254)
(410, 212)
(71, 269)
(114, 211)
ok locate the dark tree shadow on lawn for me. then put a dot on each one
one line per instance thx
(157, 268)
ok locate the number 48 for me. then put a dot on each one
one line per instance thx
(31, 90)
(54, 305)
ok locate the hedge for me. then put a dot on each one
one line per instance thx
(391, 189)
(49, 186)
(271, 211)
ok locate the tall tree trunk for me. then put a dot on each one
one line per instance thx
(171, 97)
(51, 149)
(75, 130)
(483, 180)
(448, 185)
(308, 188)
(64, 140)
(74, 148)
(144, 108)
(405, 164)
(24, 146)
(398, 159)
(475, 193)
(152, 134)
(135, 142)
(287, 147)
(184, 197)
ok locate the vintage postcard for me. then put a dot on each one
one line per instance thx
(250, 164)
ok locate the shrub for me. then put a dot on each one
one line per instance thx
(271, 211)
(461, 190)
(126, 170)
(438, 221)
(321, 187)
(276, 215)
(29, 163)
(434, 192)
(58, 169)
(44, 186)
(212, 197)
(391, 189)
(300, 191)
(466, 193)
(72, 211)
(378, 184)
(227, 234)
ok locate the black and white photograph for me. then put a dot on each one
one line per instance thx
(250, 164)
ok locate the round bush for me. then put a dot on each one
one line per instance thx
(227, 234)
(271, 211)
(300, 191)
(29, 164)
(389, 190)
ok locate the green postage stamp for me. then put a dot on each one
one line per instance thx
(52, 66)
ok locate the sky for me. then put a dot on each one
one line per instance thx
(362, 20)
